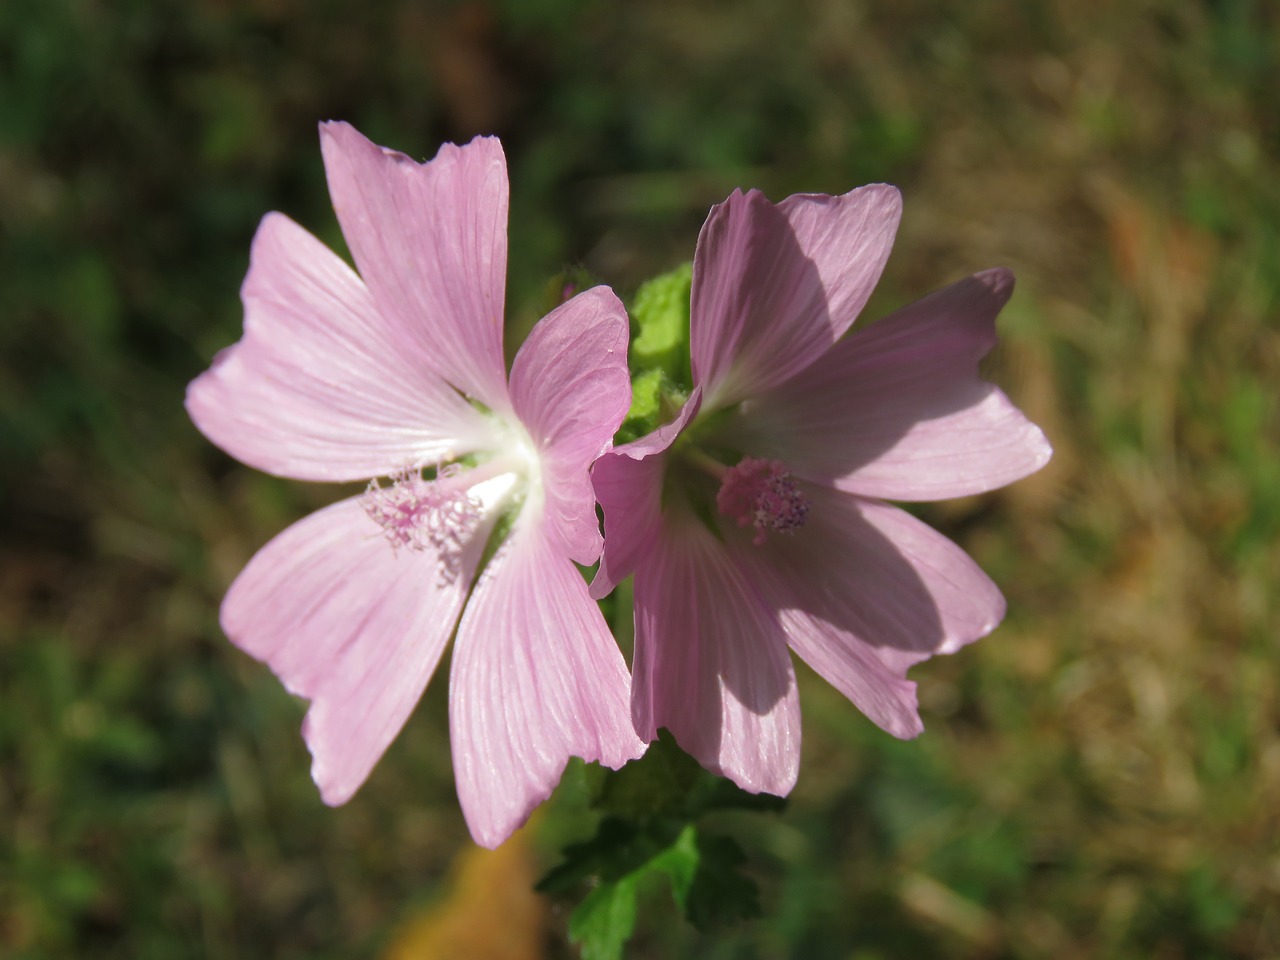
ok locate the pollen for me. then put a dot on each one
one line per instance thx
(763, 494)
(422, 514)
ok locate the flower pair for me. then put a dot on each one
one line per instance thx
(751, 522)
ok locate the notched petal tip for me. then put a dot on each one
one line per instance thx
(1000, 281)
(345, 622)
(536, 678)
(1040, 448)
(775, 285)
(611, 315)
(737, 196)
(429, 240)
(334, 791)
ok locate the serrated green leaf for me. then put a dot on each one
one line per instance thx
(646, 395)
(618, 848)
(648, 831)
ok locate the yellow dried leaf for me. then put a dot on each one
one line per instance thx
(490, 911)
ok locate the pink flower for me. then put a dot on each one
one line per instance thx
(754, 523)
(399, 373)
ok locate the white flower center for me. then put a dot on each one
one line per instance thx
(443, 515)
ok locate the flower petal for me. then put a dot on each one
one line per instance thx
(571, 389)
(536, 678)
(628, 483)
(866, 591)
(320, 388)
(430, 241)
(775, 286)
(711, 662)
(898, 410)
(351, 625)
(840, 658)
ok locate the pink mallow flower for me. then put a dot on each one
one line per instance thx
(399, 373)
(754, 521)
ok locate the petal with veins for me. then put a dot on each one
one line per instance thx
(774, 286)
(571, 389)
(352, 625)
(628, 483)
(321, 386)
(430, 241)
(898, 409)
(711, 662)
(536, 678)
(866, 591)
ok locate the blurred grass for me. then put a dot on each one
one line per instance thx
(1099, 778)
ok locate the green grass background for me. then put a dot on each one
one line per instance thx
(1100, 778)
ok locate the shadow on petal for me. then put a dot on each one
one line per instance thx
(711, 662)
(898, 409)
(879, 576)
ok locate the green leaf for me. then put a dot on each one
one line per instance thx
(720, 893)
(667, 782)
(704, 873)
(604, 921)
(659, 353)
(646, 401)
(648, 831)
(716, 793)
(618, 849)
(656, 785)
(680, 863)
(660, 311)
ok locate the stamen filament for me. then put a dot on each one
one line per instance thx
(705, 462)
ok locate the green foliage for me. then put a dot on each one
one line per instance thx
(660, 312)
(659, 353)
(703, 871)
(605, 920)
(649, 832)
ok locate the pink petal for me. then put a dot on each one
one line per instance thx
(898, 410)
(775, 286)
(319, 388)
(628, 483)
(430, 240)
(851, 667)
(867, 590)
(351, 625)
(571, 389)
(711, 663)
(536, 678)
